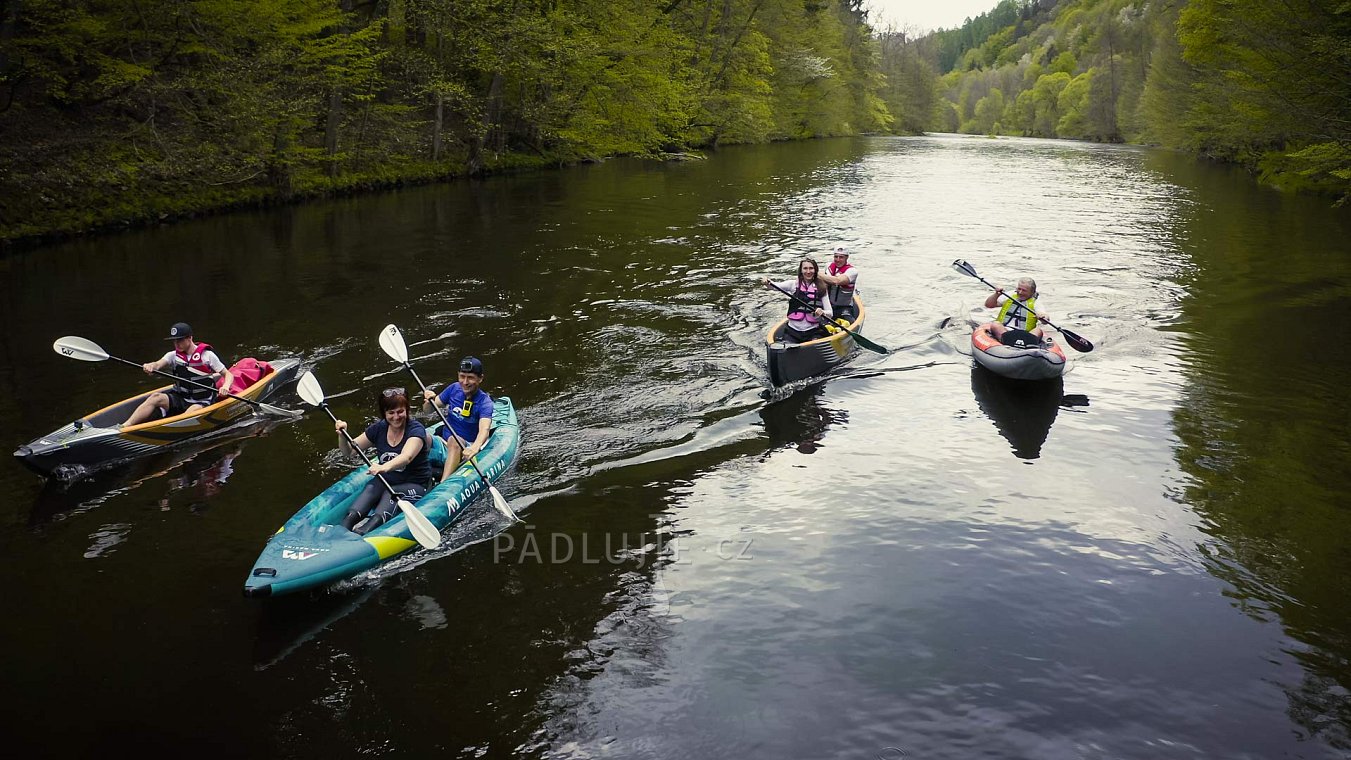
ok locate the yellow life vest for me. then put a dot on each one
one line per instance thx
(1019, 315)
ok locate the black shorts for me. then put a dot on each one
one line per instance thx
(797, 336)
(178, 403)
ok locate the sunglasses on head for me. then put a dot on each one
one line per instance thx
(392, 392)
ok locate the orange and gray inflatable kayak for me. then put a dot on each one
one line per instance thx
(1038, 361)
(97, 441)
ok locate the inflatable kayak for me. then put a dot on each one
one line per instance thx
(1039, 361)
(798, 361)
(96, 441)
(313, 548)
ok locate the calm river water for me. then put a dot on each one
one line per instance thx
(903, 559)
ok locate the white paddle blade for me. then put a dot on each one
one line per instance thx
(418, 524)
(73, 347)
(501, 504)
(391, 340)
(308, 388)
(965, 268)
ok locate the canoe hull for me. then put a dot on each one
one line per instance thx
(313, 549)
(1016, 363)
(790, 362)
(93, 442)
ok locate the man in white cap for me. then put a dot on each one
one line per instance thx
(198, 370)
(843, 279)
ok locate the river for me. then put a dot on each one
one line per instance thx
(903, 559)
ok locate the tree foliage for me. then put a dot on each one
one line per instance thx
(1261, 83)
(124, 109)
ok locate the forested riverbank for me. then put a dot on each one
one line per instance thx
(130, 111)
(1263, 84)
(136, 109)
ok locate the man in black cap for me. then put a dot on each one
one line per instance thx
(198, 370)
(470, 412)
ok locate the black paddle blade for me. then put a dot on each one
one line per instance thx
(961, 266)
(1076, 341)
(865, 343)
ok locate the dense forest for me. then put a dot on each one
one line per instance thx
(120, 111)
(132, 109)
(1265, 83)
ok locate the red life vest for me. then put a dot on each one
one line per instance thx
(841, 295)
(193, 373)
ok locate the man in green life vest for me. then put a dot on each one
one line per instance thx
(1017, 313)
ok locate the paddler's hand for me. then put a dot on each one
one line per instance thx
(428, 396)
(339, 426)
(149, 368)
(764, 281)
(820, 312)
(378, 469)
(471, 452)
(999, 291)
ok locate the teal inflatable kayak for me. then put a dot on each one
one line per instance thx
(313, 548)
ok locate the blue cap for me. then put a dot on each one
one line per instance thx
(471, 364)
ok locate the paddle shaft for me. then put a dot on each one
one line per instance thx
(862, 341)
(176, 379)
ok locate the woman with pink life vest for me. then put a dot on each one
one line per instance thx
(809, 308)
(199, 371)
(843, 280)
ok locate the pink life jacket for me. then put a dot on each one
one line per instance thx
(812, 295)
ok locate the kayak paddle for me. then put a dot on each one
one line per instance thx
(391, 340)
(1075, 340)
(862, 341)
(73, 347)
(418, 524)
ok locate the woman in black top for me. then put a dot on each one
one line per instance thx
(401, 445)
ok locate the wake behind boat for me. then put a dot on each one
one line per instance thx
(96, 441)
(789, 362)
(313, 548)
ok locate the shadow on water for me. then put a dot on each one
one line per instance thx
(1022, 411)
(800, 420)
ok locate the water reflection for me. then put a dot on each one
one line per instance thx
(801, 420)
(199, 472)
(1023, 412)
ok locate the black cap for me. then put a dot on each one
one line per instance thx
(179, 330)
(471, 364)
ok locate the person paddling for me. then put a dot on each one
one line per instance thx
(469, 409)
(1017, 313)
(401, 443)
(810, 305)
(843, 279)
(197, 368)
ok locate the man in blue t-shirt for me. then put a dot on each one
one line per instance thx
(469, 410)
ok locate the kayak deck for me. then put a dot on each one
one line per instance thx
(789, 362)
(95, 441)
